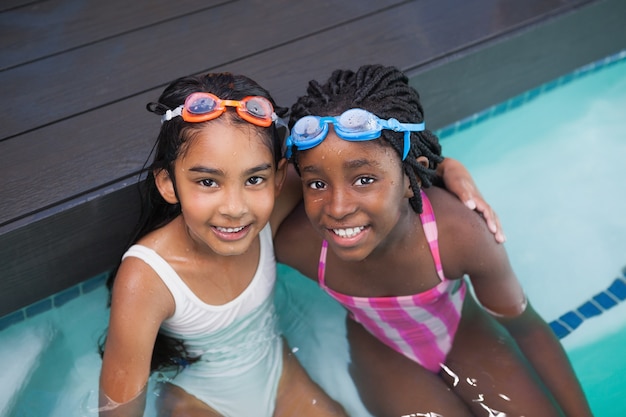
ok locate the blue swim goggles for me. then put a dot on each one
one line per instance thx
(353, 125)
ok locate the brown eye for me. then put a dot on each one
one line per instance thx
(317, 185)
(364, 181)
(255, 180)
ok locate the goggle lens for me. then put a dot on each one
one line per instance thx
(308, 128)
(200, 105)
(258, 107)
(358, 120)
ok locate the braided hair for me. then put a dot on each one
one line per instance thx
(385, 92)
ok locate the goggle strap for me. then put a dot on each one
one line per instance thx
(278, 121)
(414, 127)
(170, 114)
(408, 128)
(407, 144)
(288, 146)
(393, 124)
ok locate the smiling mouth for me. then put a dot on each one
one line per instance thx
(229, 229)
(349, 232)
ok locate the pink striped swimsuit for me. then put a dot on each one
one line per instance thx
(420, 326)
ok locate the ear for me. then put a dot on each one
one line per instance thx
(281, 174)
(422, 160)
(165, 185)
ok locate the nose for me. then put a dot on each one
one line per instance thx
(340, 204)
(234, 203)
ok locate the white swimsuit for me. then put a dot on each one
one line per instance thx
(239, 342)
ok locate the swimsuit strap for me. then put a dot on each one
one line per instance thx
(321, 267)
(430, 230)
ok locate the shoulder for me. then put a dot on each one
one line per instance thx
(467, 247)
(137, 287)
(464, 239)
(449, 211)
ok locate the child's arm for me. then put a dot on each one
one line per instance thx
(545, 352)
(139, 304)
(459, 182)
(499, 291)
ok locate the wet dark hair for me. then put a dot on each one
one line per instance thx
(172, 141)
(384, 91)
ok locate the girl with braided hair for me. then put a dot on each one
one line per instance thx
(402, 254)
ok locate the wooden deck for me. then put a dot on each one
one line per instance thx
(75, 76)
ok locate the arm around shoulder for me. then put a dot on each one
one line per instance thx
(467, 248)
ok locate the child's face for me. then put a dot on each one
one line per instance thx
(226, 183)
(355, 193)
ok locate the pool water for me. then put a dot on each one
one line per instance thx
(554, 169)
(551, 162)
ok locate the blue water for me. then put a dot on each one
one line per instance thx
(552, 167)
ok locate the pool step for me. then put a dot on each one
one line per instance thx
(596, 305)
(20, 351)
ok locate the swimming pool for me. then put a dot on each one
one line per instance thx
(554, 170)
(550, 162)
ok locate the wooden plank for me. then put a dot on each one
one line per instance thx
(95, 75)
(56, 253)
(102, 145)
(409, 36)
(8, 5)
(42, 29)
(73, 157)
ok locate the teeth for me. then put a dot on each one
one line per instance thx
(230, 229)
(351, 232)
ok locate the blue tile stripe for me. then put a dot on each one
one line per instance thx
(596, 305)
(54, 301)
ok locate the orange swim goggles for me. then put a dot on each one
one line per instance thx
(201, 107)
